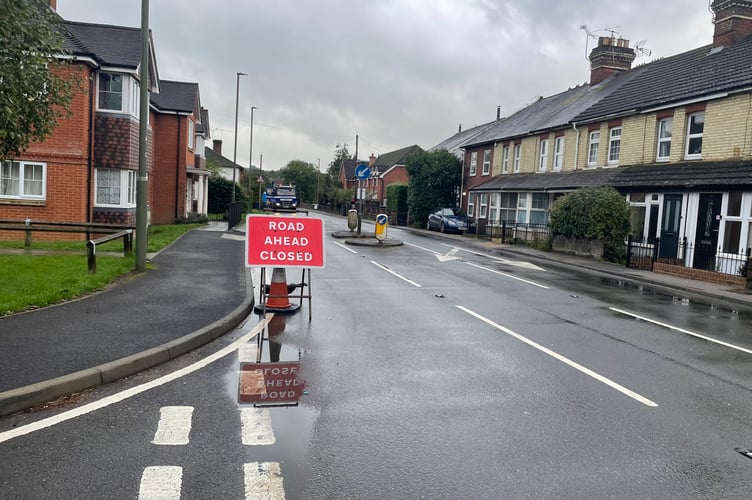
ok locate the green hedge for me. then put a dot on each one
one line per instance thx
(396, 197)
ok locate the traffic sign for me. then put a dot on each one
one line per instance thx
(284, 241)
(362, 171)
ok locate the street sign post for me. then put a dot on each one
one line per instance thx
(280, 241)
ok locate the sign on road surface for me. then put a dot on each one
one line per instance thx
(279, 241)
(270, 383)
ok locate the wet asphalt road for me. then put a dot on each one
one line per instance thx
(426, 377)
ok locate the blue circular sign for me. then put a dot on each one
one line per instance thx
(362, 171)
(381, 219)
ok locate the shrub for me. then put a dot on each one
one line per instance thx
(593, 213)
(396, 197)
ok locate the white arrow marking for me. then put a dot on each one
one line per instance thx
(516, 263)
(450, 255)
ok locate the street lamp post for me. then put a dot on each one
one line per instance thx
(318, 178)
(235, 147)
(250, 154)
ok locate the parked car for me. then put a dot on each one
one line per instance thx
(450, 220)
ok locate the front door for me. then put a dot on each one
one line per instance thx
(670, 225)
(706, 236)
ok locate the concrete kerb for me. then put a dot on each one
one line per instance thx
(31, 395)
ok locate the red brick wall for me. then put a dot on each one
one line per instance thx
(171, 155)
(66, 153)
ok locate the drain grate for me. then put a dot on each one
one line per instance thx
(746, 453)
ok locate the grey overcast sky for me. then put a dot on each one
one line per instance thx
(394, 72)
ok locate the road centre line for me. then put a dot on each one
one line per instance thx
(133, 391)
(263, 480)
(507, 275)
(395, 274)
(345, 247)
(256, 427)
(682, 330)
(567, 361)
(161, 483)
(174, 426)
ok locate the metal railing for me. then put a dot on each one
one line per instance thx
(645, 254)
(512, 232)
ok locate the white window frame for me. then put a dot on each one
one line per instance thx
(594, 142)
(26, 170)
(665, 126)
(126, 186)
(543, 155)
(517, 150)
(694, 136)
(493, 210)
(558, 153)
(522, 207)
(471, 205)
(486, 162)
(130, 95)
(614, 145)
(483, 210)
(505, 160)
(191, 134)
(541, 207)
(473, 163)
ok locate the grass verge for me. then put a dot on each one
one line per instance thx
(30, 281)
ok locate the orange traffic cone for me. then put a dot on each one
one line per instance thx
(278, 299)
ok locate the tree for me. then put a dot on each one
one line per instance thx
(593, 213)
(33, 91)
(340, 155)
(303, 175)
(434, 182)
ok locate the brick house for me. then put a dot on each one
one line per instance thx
(178, 186)
(671, 135)
(86, 170)
(388, 168)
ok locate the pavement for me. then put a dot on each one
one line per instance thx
(198, 290)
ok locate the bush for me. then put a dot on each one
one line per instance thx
(396, 197)
(593, 213)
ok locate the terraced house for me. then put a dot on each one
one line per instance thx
(86, 170)
(673, 135)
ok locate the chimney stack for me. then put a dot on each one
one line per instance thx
(218, 146)
(732, 20)
(611, 56)
(371, 160)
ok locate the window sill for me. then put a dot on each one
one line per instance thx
(24, 202)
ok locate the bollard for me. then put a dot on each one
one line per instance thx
(382, 223)
(352, 219)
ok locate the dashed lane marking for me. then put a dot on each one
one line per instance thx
(174, 425)
(395, 274)
(263, 480)
(256, 427)
(507, 275)
(567, 361)
(161, 483)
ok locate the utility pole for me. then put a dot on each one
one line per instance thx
(235, 147)
(318, 178)
(142, 184)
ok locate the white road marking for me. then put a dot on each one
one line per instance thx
(517, 263)
(263, 480)
(174, 425)
(450, 255)
(344, 246)
(682, 330)
(422, 248)
(563, 359)
(236, 237)
(161, 483)
(395, 274)
(247, 353)
(256, 427)
(507, 275)
(133, 391)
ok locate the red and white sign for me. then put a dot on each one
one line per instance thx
(279, 241)
(270, 383)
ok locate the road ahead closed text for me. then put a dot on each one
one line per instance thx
(274, 241)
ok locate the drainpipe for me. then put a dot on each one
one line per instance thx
(576, 144)
(177, 167)
(90, 149)
(462, 178)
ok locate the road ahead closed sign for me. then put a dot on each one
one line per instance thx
(279, 241)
